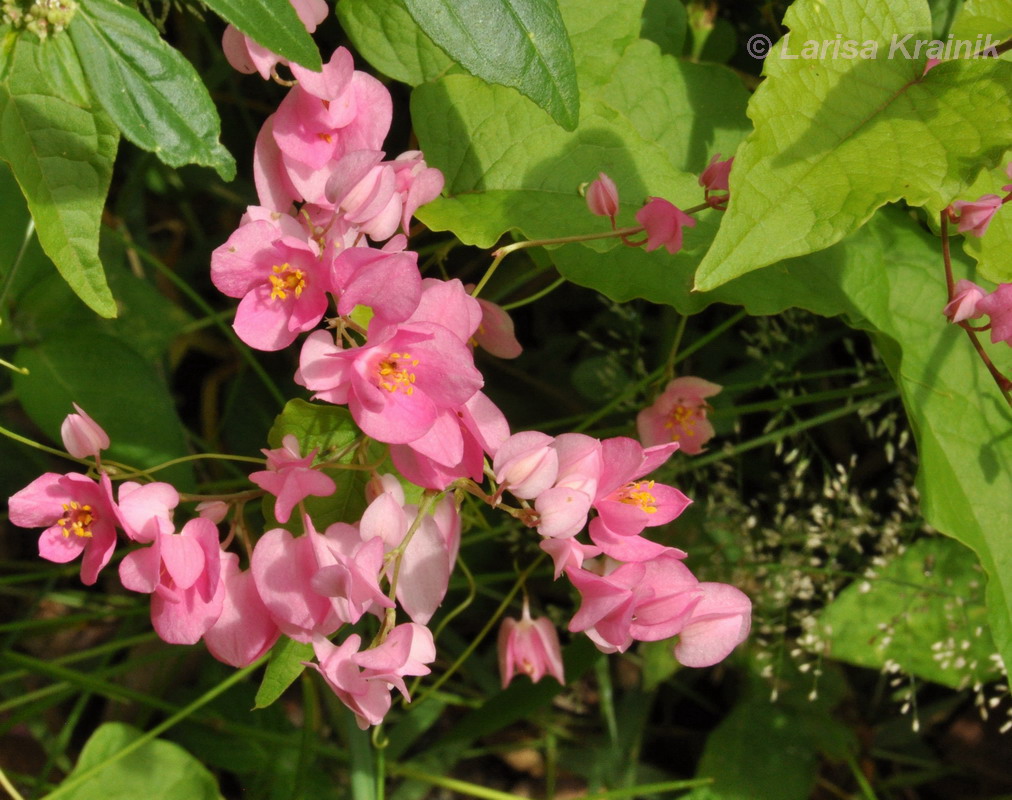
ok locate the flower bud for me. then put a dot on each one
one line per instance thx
(82, 436)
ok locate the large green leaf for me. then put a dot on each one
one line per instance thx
(157, 770)
(930, 600)
(61, 151)
(518, 43)
(649, 121)
(274, 25)
(836, 138)
(384, 33)
(149, 89)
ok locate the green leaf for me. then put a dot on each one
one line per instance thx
(522, 44)
(157, 770)
(664, 23)
(836, 138)
(148, 88)
(283, 668)
(115, 385)
(61, 152)
(931, 601)
(384, 33)
(274, 25)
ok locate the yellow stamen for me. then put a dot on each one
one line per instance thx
(285, 280)
(394, 373)
(77, 519)
(681, 419)
(638, 494)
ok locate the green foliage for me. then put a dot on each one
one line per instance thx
(930, 600)
(157, 770)
(285, 666)
(61, 149)
(767, 750)
(149, 89)
(385, 33)
(837, 138)
(276, 26)
(517, 43)
(649, 121)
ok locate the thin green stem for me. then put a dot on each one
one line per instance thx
(175, 719)
(775, 436)
(44, 448)
(9, 787)
(13, 367)
(536, 296)
(9, 277)
(669, 365)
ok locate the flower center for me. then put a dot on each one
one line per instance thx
(77, 519)
(395, 373)
(638, 494)
(681, 419)
(285, 280)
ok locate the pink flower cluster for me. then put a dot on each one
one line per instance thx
(638, 590)
(328, 240)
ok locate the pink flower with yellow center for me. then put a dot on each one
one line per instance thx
(78, 515)
(625, 503)
(679, 415)
(397, 387)
(271, 264)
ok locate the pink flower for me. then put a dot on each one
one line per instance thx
(283, 569)
(1008, 171)
(244, 630)
(291, 478)
(181, 614)
(353, 581)
(79, 517)
(644, 601)
(963, 304)
(998, 305)
(719, 622)
(930, 64)
(626, 504)
(145, 510)
(602, 197)
(325, 117)
(277, 271)
(396, 385)
(526, 464)
(363, 680)
(714, 177)
(975, 215)
(246, 56)
(82, 436)
(679, 415)
(496, 334)
(530, 646)
(663, 222)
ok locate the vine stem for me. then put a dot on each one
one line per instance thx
(618, 233)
